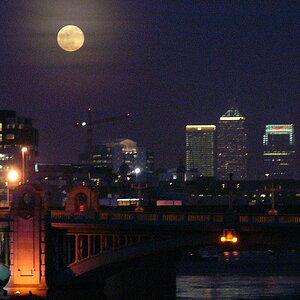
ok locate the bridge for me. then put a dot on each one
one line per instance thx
(116, 254)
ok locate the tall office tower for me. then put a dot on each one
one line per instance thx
(16, 132)
(232, 146)
(279, 151)
(200, 149)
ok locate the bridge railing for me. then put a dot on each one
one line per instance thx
(173, 218)
(266, 219)
(145, 217)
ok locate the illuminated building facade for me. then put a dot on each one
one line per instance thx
(232, 146)
(126, 150)
(200, 149)
(115, 152)
(279, 151)
(15, 133)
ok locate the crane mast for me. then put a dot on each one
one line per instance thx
(89, 137)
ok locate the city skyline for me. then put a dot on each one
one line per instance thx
(168, 64)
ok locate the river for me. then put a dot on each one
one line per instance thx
(241, 275)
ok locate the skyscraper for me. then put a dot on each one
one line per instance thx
(232, 145)
(200, 149)
(279, 151)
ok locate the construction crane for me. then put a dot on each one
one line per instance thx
(89, 125)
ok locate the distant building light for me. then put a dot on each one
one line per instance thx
(232, 118)
(128, 199)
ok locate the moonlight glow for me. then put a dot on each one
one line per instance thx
(70, 38)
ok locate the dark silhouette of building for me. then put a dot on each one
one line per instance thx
(16, 132)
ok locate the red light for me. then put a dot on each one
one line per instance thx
(89, 109)
(279, 128)
(128, 115)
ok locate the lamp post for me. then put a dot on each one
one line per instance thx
(23, 150)
(138, 171)
(12, 177)
(273, 211)
(139, 188)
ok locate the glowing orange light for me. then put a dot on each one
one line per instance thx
(24, 149)
(229, 235)
(13, 175)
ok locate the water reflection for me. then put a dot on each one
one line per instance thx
(241, 275)
(237, 287)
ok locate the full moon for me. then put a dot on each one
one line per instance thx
(70, 38)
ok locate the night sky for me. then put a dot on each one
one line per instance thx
(169, 63)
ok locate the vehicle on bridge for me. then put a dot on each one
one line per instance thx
(229, 235)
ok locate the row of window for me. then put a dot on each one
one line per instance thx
(12, 126)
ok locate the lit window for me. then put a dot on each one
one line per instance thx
(11, 126)
(0, 126)
(10, 136)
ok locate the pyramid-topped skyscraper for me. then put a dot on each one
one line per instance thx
(232, 147)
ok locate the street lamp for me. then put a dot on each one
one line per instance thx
(23, 150)
(139, 188)
(273, 211)
(137, 171)
(12, 178)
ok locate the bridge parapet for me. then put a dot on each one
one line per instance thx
(183, 218)
(279, 220)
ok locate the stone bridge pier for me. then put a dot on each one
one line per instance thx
(27, 242)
